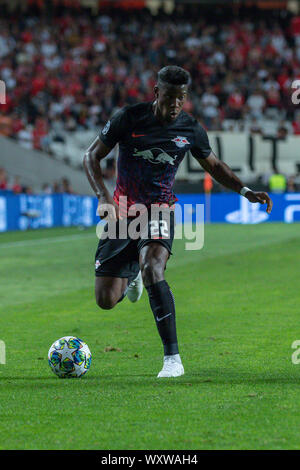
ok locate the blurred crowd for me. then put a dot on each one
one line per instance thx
(12, 184)
(275, 183)
(71, 70)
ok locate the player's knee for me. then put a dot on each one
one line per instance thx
(105, 300)
(152, 272)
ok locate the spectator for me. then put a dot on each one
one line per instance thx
(235, 104)
(273, 99)
(68, 72)
(46, 189)
(3, 179)
(66, 186)
(255, 127)
(28, 190)
(209, 103)
(40, 131)
(16, 187)
(256, 104)
(297, 178)
(57, 187)
(284, 129)
(296, 125)
(291, 187)
(25, 137)
(6, 126)
(277, 183)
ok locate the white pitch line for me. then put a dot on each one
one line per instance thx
(42, 241)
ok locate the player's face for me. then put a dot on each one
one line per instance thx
(170, 100)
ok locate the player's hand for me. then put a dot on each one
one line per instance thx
(262, 198)
(108, 209)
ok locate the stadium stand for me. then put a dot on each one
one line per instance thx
(68, 71)
(36, 172)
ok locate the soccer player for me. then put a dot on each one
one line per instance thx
(153, 139)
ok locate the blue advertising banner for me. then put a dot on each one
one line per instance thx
(20, 212)
(235, 209)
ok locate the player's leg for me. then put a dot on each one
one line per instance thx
(109, 291)
(116, 267)
(153, 259)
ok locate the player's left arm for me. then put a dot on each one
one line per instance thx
(223, 174)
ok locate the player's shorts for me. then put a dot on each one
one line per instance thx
(118, 256)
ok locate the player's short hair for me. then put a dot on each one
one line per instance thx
(173, 75)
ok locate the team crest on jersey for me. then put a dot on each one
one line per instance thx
(106, 128)
(155, 156)
(180, 141)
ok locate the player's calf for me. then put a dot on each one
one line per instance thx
(153, 258)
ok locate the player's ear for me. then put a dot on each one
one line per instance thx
(156, 91)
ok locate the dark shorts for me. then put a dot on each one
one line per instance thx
(119, 256)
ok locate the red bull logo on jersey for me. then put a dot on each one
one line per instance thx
(180, 141)
(155, 156)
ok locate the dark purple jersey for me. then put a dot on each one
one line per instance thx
(150, 152)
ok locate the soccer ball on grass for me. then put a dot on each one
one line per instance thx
(69, 357)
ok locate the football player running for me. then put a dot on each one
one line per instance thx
(153, 139)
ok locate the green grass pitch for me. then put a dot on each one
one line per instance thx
(237, 304)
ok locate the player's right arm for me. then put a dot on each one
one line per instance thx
(112, 133)
(91, 164)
